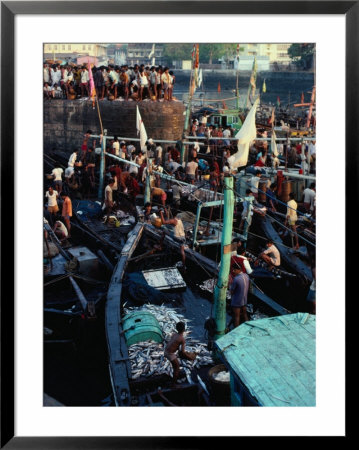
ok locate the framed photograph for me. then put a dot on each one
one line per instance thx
(135, 104)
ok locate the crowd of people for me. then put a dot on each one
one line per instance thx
(112, 82)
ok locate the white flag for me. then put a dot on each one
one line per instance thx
(141, 130)
(274, 144)
(152, 51)
(245, 136)
(200, 78)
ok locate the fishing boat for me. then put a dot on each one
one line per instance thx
(109, 233)
(148, 294)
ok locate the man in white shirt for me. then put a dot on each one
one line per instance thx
(226, 134)
(255, 183)
(60, 230)
(55, 76)
(114, 77)
(52, 197)
(84, 81)
(271, 255)
(46, 74)
(57, 174)
(308, 197)
(191, 170)
(72, 159)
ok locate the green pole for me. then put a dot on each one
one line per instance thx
(147, 196)
(220, 291)
(102, 168)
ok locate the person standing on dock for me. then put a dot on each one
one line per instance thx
(239, 295)
(84, 81)
(66, 211)
(292, 217)
(52, 197)
(108, 197)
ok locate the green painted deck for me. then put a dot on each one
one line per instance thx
(274, 358)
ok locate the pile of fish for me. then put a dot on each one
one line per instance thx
(209, 285)
(147, 358)
(222, 376)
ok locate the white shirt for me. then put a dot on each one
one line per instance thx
(69, 171)
(64, 76)
(72, 160)
(114, 76)
(84, 76)
(69, 77)
(46, 76)
(226, 133)
(62, 227)
(309, 196)
(143, 79)
(273, 252)
(173, 165)
(312, 149)
(254, 184)
(159, 152)
(203, 119)
(116, 146)
(52, 199)
(58, 174)
(55, 76)
(292, 210)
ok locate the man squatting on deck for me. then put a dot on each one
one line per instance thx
(176, 341)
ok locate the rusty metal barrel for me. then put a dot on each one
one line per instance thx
(286, 190)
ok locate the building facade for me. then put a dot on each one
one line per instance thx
(70, 50)
(275, 52)
(147, 54)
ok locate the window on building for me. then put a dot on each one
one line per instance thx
(63, 47)
(84, 47)
(69, 47)
(55, 47)
(89, 47)
(49, 47)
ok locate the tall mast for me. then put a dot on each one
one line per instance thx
(190, 95)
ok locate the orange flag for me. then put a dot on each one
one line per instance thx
(219, 87)
(302, 98)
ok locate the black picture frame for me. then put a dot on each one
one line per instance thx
(9, 9)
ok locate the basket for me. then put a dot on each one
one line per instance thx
(220, 389)
(157, 222)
